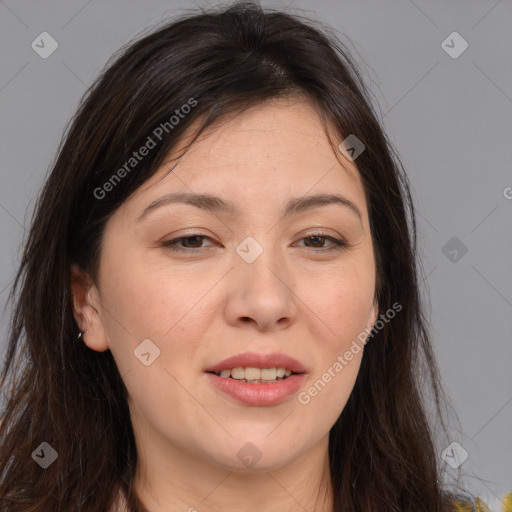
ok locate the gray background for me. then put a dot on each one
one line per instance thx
(449, 118)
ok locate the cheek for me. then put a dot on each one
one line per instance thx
(157, 303)
(343, 303)
(344, 306)
(151, 300)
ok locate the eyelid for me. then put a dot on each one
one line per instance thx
(168, 243)
(336, 243)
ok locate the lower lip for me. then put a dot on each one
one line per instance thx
(271, 393)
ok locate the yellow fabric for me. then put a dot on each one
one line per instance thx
(463, 506)
(481, 506)
(507, 502)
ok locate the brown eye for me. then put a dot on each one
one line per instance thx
(318, 240)
(190, 243)
(196, 241)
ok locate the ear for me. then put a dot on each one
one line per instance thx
(374, 312)
(87, 309)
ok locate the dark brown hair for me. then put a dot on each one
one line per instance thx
(381, 448)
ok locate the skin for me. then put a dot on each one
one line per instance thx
(297, 297)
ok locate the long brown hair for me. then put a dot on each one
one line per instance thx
(58, 391)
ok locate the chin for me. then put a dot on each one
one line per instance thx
(254, 457)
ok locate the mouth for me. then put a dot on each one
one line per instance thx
(257, 379)
(252, 375)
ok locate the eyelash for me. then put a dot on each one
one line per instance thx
(339, 245)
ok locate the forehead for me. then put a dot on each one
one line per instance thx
(273, 149)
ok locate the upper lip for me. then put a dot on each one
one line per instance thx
(253, 360)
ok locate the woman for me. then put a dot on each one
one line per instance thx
(218, 307)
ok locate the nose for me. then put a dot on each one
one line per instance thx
(261, 294)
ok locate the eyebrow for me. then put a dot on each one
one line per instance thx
(219, 205)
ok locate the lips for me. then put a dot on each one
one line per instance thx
(253, 360)
(258, 393)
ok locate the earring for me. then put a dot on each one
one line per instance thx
(80, 334)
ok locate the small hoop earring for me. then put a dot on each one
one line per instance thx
(80, 334)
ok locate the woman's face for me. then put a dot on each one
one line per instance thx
(254, 278)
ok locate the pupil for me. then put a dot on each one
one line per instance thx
(318, 239)
(197, 238)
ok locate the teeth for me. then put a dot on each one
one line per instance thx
(269, 374)
(255, 374)
(238, 373)
(252, 373)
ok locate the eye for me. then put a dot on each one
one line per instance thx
(318, 239)
(194, 240)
